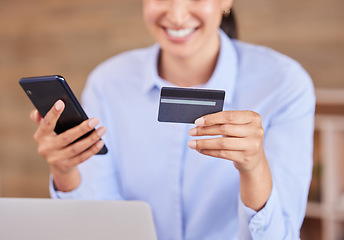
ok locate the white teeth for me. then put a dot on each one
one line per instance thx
(180, 33)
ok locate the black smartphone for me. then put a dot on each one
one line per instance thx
(44, 91)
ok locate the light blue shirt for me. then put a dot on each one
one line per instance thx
(193, 196)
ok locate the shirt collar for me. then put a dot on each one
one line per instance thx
(223, 77)
(152, 79)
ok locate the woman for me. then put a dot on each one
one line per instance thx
(265, 130)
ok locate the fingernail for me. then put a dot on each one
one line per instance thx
(101, 131)
(193, 131)
(199, 121)
(93, 122)
(192, 144)
(59, 105)
(100, 144)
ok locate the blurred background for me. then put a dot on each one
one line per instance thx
(43, 37)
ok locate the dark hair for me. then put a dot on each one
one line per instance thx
(228, 25)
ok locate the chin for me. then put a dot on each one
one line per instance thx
(181, 50)
(178, 53)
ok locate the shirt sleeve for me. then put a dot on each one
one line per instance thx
(99, 178)
(288, 146)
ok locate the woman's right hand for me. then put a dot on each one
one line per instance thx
(60, 151)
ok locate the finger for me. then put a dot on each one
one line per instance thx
(48, 123)
(235, 156)
(69, 136)
(234, 144)
(223, 129)
(86, 154)
(67, 163)
(231, 117)
(35, 116)
(83, 144)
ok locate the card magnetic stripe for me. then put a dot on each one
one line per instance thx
(189, 102)
(190, 93)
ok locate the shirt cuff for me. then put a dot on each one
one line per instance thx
(268, 223)
(245, 216)
(81, 192)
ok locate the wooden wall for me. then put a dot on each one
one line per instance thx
(70, 38)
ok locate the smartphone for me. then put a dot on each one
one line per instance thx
(44, 91)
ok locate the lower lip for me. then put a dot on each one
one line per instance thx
(179, 39)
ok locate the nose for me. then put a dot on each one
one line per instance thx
(177, 12)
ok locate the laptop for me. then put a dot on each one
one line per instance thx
(53, 219)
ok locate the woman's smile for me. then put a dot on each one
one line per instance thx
(179, 35)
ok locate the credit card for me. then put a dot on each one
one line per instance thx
(185, 105)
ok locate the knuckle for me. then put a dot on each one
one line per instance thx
(223, 143)
(94, 137)
(199, 130)
(257, 117)
(95, 149)
(66, 138)
(223, 154)
(85, 127)
(46, 122)
(73, 150)
(42, 151)
(224, 128)
(261, 132)
(208, 119)
(199, 144)
(229, 115)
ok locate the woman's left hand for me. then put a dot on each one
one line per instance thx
(241, 140)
